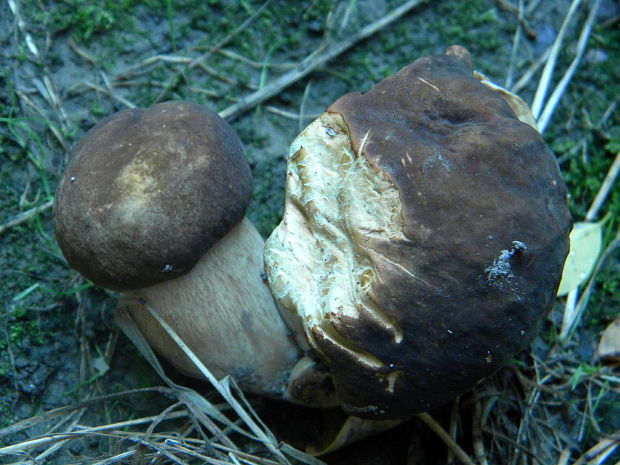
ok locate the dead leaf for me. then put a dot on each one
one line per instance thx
(586, 240)
(609, 345)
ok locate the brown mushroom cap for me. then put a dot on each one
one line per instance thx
(148, 191)
(426, 228)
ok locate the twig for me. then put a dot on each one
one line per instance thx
(445, 437)
(44, 85)
(22, 27)
(564, 456)
(25, 216)
(603, 192)
(77, 88)
(531, 401)
(570, 314)
(611, 109)
(289, 114)
(518, 10)
(246, 61)
(529, 74)
(81, 52)
(116, 458)
(111, 93)
(139, 68)
(224, 78)
(600, 452)
(508, 440)
(477, 433)
(48, 92)
(77, 431)
(545, 79)
(454, 418)
(50, 450)
(555, 97)
(314, 60)
(51, 414)
(515, 47)
(26, 100)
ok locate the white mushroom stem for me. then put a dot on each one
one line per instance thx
(224, 311)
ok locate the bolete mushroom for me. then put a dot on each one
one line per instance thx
(152, 204)
(423, 239)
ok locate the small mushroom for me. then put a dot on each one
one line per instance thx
(423, 239)
(152, 204)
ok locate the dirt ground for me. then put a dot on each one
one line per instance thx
(67, 64)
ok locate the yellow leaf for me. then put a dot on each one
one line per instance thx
(586, 240)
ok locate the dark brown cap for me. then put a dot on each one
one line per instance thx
(453, 220)
(148, 191)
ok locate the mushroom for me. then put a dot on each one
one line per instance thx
(152, 204)
(423, 239)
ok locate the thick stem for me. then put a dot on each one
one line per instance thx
(225, 313)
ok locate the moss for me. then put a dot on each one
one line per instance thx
(85, 19)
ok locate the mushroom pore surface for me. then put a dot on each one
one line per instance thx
(423, 239)
(148, 191)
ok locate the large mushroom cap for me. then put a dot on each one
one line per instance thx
(423, 239)
(148, 191)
